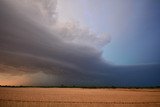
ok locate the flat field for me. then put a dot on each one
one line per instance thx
(78, 97)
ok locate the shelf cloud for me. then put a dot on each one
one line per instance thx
(33, 41)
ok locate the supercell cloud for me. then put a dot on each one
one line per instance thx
(33, 42)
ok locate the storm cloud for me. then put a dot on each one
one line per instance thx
(33, 41)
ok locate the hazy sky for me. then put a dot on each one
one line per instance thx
(80, 42)
(133, 25)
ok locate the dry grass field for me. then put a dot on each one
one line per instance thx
(78, 97)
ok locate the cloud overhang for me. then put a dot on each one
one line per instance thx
(32, 42)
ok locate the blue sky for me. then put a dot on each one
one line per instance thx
(133, 25)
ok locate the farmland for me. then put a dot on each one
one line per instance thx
(78, 97)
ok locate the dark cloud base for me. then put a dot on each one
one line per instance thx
(27, 47)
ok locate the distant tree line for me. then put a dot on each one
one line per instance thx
(74, 86)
